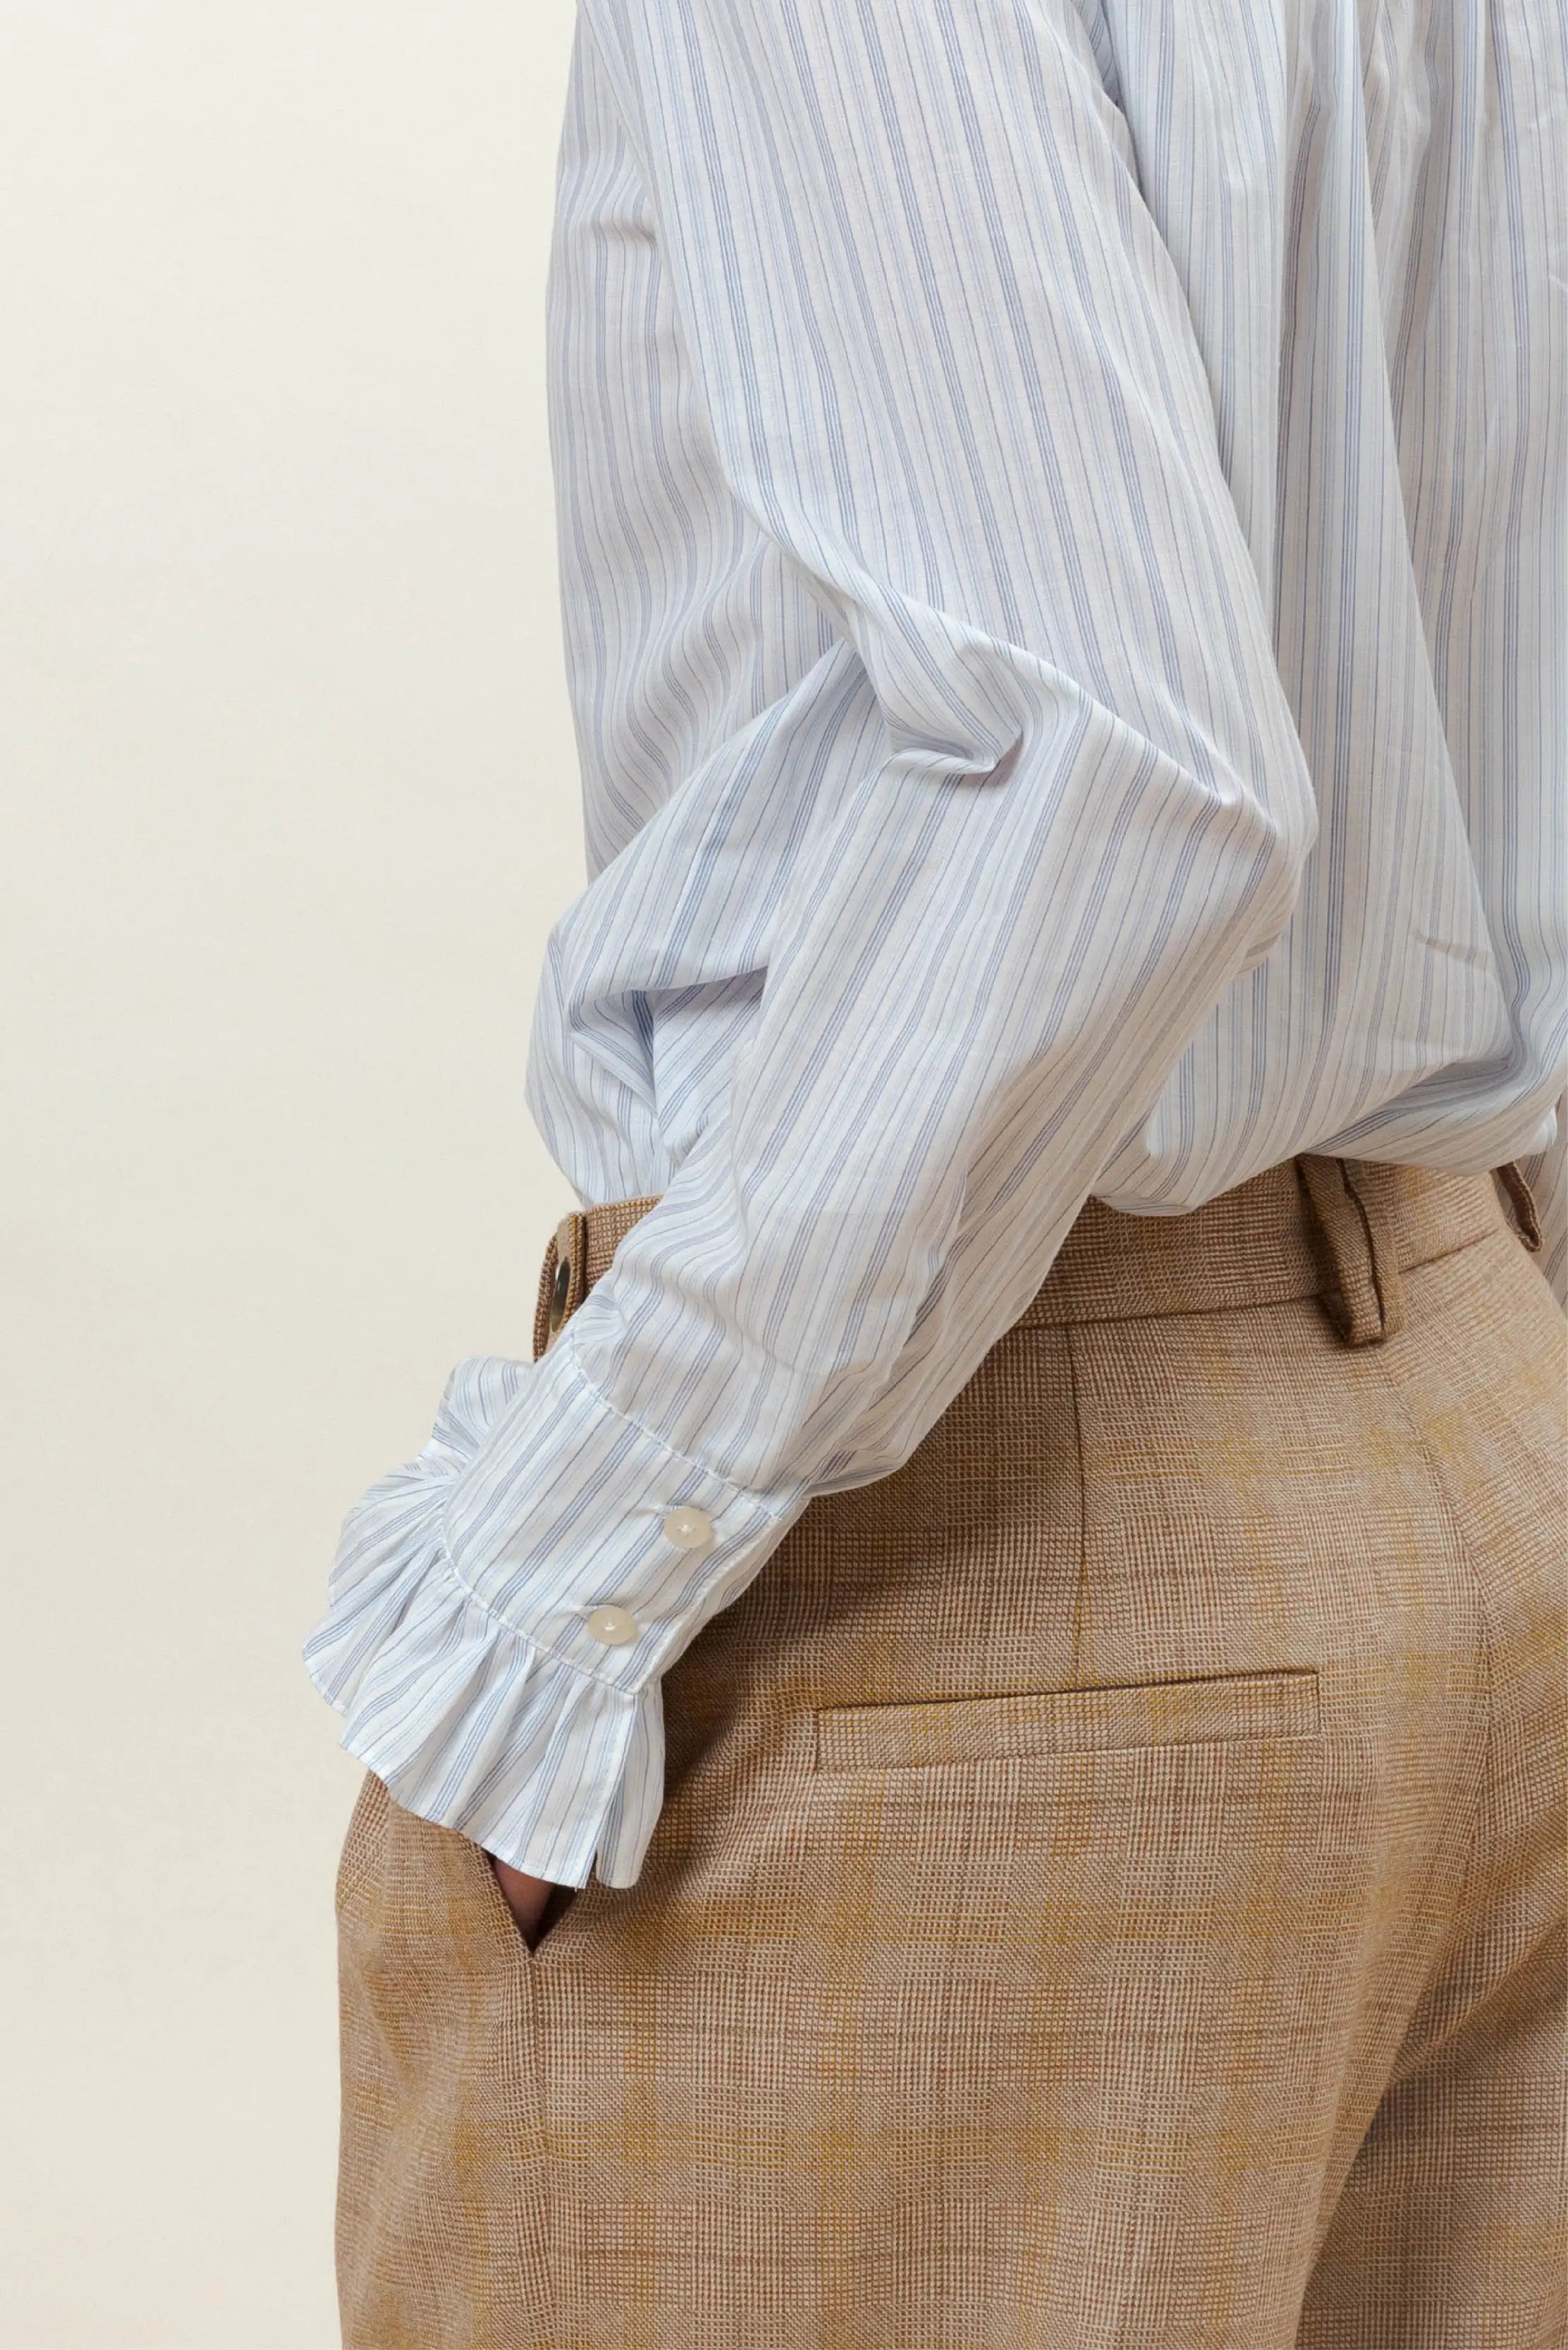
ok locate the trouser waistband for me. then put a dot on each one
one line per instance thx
(1344, 1231)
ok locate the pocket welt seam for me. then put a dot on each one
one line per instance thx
(1106, 1718)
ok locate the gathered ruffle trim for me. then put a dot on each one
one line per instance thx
(468, 1721)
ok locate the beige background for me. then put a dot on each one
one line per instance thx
(290, 803)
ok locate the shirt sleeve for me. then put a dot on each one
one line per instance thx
(946, 364)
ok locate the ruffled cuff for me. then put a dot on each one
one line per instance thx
(470, 1724)
(456, 1642)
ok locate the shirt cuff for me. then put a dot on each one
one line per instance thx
(501, 1610)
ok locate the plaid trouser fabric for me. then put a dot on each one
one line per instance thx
(1109, 1889)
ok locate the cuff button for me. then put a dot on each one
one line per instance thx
(688, 1528)
(613, 1627)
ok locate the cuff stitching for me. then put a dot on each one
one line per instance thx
(540, 1648)
(743, 1493)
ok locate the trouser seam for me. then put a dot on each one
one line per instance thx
(1028, 1323)
(1080, 1591)
(1488, 1670)
(1403, 2062)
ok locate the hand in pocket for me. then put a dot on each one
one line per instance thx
(529, 1898)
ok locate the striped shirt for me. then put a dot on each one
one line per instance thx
(1064, 510)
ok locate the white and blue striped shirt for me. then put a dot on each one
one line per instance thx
(1064, 511)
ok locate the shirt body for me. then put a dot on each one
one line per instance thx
(1063, 516)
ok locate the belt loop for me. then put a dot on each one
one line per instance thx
(1362, 1294)
(580, 1253)
(562, 1283)
(1527, 1221)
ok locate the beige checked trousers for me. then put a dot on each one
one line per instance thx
(1109, 1891)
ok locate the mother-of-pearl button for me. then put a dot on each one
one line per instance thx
(688, 1528)
(614, 1625)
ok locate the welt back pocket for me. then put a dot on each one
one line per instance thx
(1283, 1704)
